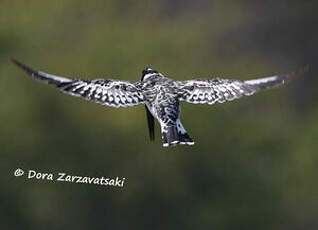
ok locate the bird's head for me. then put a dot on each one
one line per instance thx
(147, 72)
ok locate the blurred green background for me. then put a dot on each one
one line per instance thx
(254, 165)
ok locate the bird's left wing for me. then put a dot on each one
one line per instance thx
(108, 92)
(210, 91)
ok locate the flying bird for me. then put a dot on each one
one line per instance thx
(160, 95)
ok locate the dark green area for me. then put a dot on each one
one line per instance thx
(254, 165)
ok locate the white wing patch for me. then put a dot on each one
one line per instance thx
(261, 81)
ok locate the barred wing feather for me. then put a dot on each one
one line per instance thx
(108, 92)
(218, 90)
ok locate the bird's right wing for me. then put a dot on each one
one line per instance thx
(108, 92)
(219, 90)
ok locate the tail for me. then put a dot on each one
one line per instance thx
(175, 135)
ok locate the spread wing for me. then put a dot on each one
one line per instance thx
(219, 90)
(108, 92)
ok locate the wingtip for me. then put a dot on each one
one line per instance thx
(15, 61)
(27, 69)
(306, 68)
(296, 73)
(302, 70)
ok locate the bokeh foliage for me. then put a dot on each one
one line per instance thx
(254, 164)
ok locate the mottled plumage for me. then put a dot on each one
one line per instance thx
(160, 95)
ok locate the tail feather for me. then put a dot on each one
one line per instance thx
(175, 135)
(185, 139)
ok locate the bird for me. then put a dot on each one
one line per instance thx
(161, 95)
